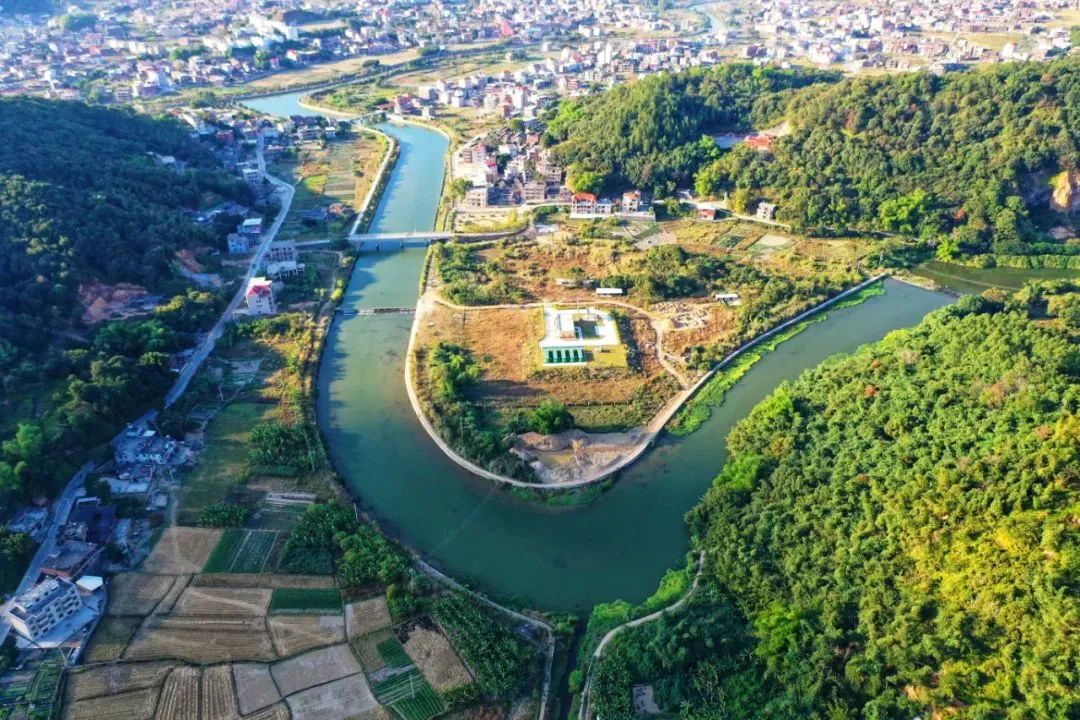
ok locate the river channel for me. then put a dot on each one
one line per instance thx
(555, 558)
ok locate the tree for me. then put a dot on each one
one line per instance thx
(550, 417)
(223, 515)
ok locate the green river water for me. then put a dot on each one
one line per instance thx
(557, 558)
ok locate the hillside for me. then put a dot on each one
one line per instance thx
(82, 201)
(894, 535)
(982, 161)
(650, 133)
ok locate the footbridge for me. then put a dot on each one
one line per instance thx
(399, 239)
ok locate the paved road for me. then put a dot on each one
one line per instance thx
(61, 509)
(285, 193)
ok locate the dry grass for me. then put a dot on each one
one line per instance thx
(293, 634)
(180, 695)
(366, 616)
(137, 593)
(232, 602)
(255, 688)
(169, 601)
(263, 580)
(136, 705)
(314, 668)
(436, 658)
(201, 640)
(349, 699)
(114, 678)
(218, 697)
(110, 639)
(181, 551)
(505, 343)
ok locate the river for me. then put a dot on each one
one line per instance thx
(556, 558)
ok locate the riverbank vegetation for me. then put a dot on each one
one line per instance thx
(890, 536)
(928, 157)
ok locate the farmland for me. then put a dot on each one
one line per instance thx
(303, 600)
(293, 634)
(241, 551)
(409, 696)
(181, 551)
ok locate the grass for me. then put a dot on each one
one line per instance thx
(241, 551)
(306, 600)
(975, 280)
(393, 654)
(223, 463)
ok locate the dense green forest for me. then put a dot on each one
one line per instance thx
(82, 199)
(653, 133)
(894, 535)
(968, 161)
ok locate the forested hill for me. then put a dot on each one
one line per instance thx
(650, 133)
(896, 534)
(81, 198)
(971, 157)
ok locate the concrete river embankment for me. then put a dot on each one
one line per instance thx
(558, 558)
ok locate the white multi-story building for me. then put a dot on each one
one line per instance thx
(260, 297)
(46, 605)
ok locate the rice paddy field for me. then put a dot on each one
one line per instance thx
(306, 600)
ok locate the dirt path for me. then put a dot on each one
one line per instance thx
(585, 708)
(652, 430)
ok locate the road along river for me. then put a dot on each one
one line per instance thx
(557, 558)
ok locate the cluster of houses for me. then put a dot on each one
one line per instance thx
(885, 34)
(69, 591)
(124, 51)
(524, 92)
(634, 204)
(507, 169)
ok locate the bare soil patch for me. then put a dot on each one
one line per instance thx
(114, 678)
(137, 593)
(255, 688)
(274, 712)
(349, 699)
(181, 551)
(136, 705)
(314, 668)
(201, 640)
(232, 602)
(436, 658)
(296, 633)
(367, 616)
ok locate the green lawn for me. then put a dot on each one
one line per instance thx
(223, 461)
(975, 280)
(306, 600)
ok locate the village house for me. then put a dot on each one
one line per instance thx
(260, 297)
(36, 612)
(237, 243)
(766, 211)
(281, 251)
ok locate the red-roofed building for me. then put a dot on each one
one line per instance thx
(260, 297)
